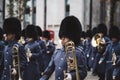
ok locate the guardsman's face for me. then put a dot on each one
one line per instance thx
(64, 40)
(114, 39)
(9, 37)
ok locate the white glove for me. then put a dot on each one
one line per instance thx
(14, 72)
(87, 55)
(68, 76)
(100, 62)
(114, 77)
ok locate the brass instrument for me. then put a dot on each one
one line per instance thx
(114, 57)
(21, 40)
(99, 42)
(71, 58)
(28, 52)
(16, 60)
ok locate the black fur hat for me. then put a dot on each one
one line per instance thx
(31, 32)
(102, 28)
(94, 31)
(46, 34)
(23, 33)
(39, 30)
(12, 26)
(71, 28)
(114, 32)
(89, 33)
(83, 34)
(1, 33)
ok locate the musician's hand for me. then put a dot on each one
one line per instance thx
(14, 72)
(48, 52)
(29, 55)
(68, 76)
(101, 60)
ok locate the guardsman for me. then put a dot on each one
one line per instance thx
(50, 48)
(33, 53)
(112, 55)
(88, 47)
(83, 35)
(100, 68)
(43, 49)
(93, 53)
(13, 66)
(22, 39)
(2, 44)
(70, 30)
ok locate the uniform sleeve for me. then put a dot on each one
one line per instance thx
(82, 67)
(23, 58)
(49, 70)
(43, 47)
(118, 63)
(50, 49)
(37, 53)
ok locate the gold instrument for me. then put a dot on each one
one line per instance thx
(28, 52)
(71, 58)
(114, 57)
(21, 40)
(99, 42)
(16, 60)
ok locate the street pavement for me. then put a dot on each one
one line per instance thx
(89, 77)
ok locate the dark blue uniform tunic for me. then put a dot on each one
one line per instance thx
(59, 64)
(32, 71)
(8, 59)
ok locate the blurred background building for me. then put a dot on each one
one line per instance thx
(49, 13)
(2, 8)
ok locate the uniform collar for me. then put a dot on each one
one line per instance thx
(11, 43)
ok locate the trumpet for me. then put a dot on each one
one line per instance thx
(99, 42)
(16, 60)
(71, 58)
(21, 40)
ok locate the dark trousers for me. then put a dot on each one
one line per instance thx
(101, 76)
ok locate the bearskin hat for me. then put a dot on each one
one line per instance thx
(94, 31)
(12, 26)
(114, 32)
(39, 30)
(71, 28)
(83, 34)
(89, 33)
(31, 32)
(1, 33)
(23, 33)
(46, 34)
(102, 28)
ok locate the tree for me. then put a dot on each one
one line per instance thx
(16, 8)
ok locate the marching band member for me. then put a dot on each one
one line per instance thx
(43, 49)
(100, 68)
(12, 28)
(22, 39)
(33, 53)
(88, 47)
(50, 48)
(70, 30)
(112, 55)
